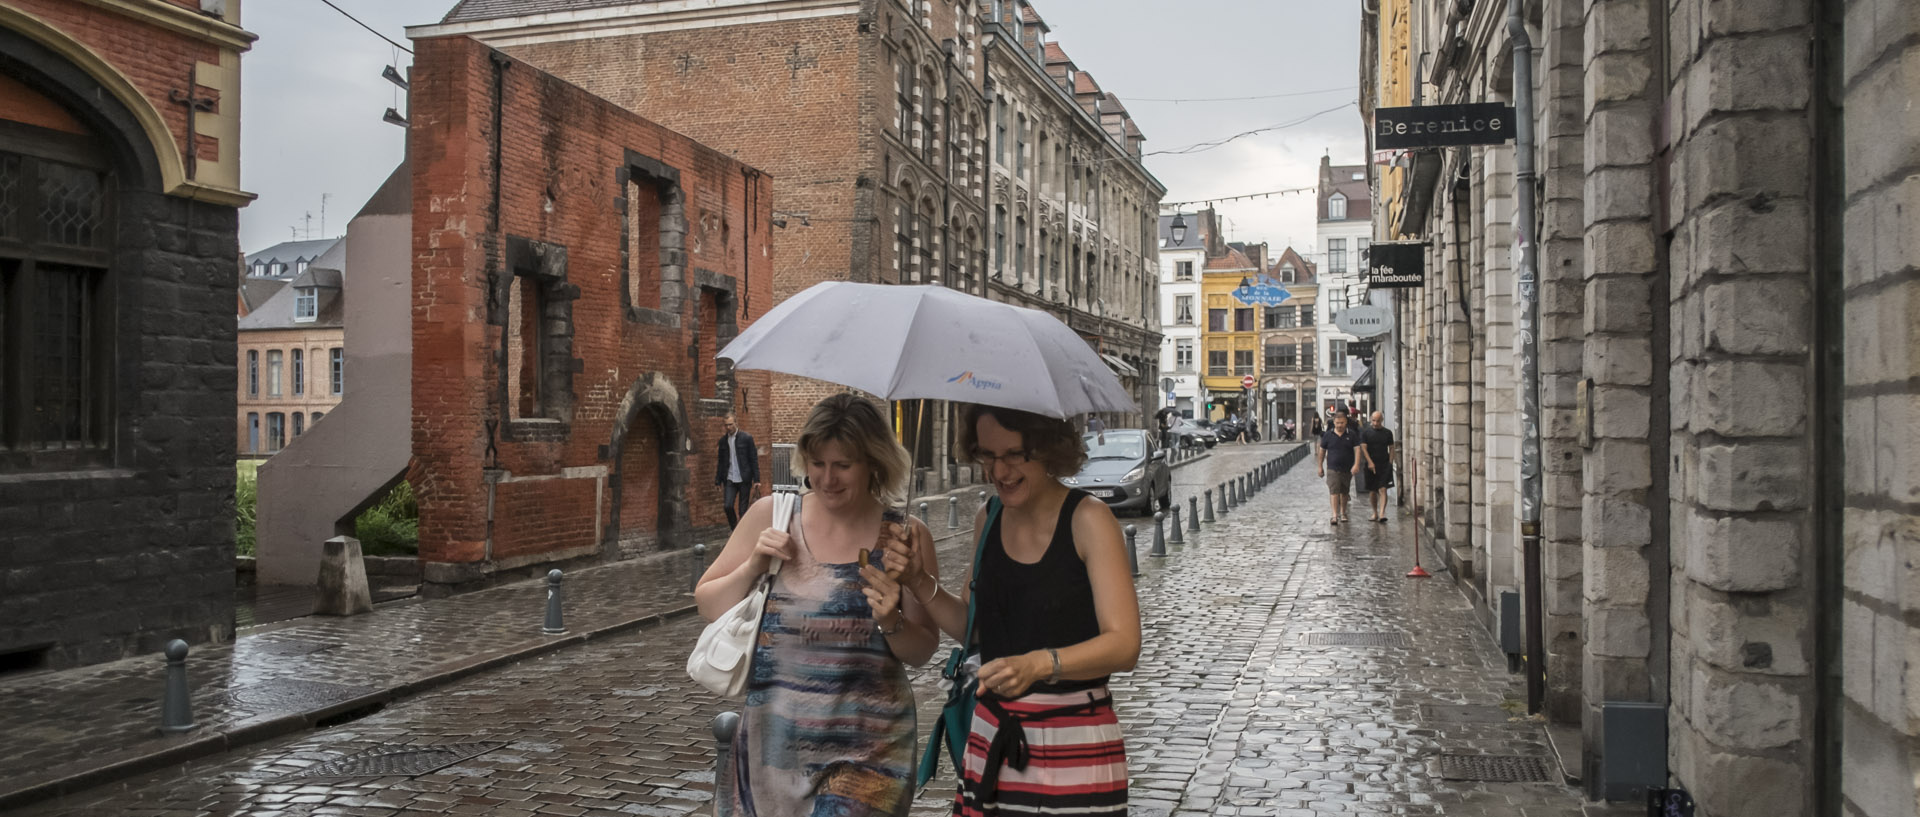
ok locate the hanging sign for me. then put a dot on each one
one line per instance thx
(1396, 265)
(1364, 320)
(1266, 292)
(1430, 126)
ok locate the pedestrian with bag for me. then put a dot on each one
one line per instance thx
(1050, 613)
(1338, 464)
(829, 726)
(1377, 449)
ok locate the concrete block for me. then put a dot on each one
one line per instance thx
(342, 589)
(1749, 74)
(1745, 635)
(1617, 467)
(1873, 28)
(1616, 78)
(1752, 156)
(1609, 522)
(1618, 576)
(1619, 248)
(1745, 555)
(1758, 316)
(1745, 398)
(1618, 25)
(1619, 193)
(1620, 135)
(1875, 561)
(1618, 632)
(1753, 475)
(1884, 98)
(1621, 413)
(1740, 711)
(1879, 765)
(1727, 784)
(1755, 234)
(1619, 360)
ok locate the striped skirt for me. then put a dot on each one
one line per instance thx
(1044, 754)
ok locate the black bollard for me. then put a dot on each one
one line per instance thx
(1209, 504)
(176, 708)
(699, 566)
(1133, 549)
(554, 625)
(1223, 500)
(924, 519)
(1174, 536)
(1159, 535)
(953, 512)
(1193, 513)
(725, 725)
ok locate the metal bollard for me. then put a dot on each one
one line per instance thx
(1223, 500)
(176, 708)
(725, 725)
(1209, 504)
(924, 519)
(554, 625)
(699, 566)
(1174, 536)
(1159, 535)
(1133, 549)
(953, 512)
(1193, 513)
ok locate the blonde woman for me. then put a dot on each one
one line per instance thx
(828, 727)
(1056, 614)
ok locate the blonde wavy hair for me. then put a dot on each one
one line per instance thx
(858, 424)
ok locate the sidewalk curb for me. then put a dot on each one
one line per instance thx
(280, 725)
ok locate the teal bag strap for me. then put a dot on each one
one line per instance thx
(979, 550)
(940, 742)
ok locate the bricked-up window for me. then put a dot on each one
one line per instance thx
(275, 367)
(253, 373)
(299, 373)
(644, 208)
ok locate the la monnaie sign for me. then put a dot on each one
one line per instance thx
(1479, 123)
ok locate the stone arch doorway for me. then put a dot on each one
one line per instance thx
(647, 494)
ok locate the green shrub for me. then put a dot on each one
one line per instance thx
(246, 494)
(391, 527)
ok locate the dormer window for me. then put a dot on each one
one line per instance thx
(1337, 207)
(299, 267)
(306, 304)
(259, 268)
(1286, 274)
(277, 269)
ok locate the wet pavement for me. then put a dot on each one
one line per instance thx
(1289, 669)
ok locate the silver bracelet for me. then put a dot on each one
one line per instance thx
(1055, 677)
(930, 596)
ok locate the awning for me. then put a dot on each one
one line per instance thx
(1119, 366)
(1364, 383)
(1417, 193)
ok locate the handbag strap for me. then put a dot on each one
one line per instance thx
(774, 568)
(979, 550)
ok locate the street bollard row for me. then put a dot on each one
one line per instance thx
(1193, 514)
(1133, 550)
(176, 708)
(953, 512)
(699, 566)
(554, 625)
(1173, 535)
(725, 725)
(1159, 535)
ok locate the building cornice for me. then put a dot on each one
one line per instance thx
(162, 14)
(1037, 75)
(634, 18)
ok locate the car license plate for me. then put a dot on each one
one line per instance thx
(1102, 493)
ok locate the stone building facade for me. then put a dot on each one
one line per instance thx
(1289, 342)
(1343, 228)
(878, 120)
(119, 197)
(582, 268)
(292, 355)
(1728, 315)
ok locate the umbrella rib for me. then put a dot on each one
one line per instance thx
(900, 363)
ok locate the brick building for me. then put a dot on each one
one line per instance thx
(119, 192)
(582, 267)
(1729, 313)
(897, 160)
(292, 347)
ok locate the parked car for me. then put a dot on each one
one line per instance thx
(1127, 469)
(1189, 434)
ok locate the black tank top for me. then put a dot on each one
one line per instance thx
(1027, 607)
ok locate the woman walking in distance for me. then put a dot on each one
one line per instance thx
(1376, 448)
(1056, 614)
(828, 729)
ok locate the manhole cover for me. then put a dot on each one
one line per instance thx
(1495, 768)
(287, 648)
(294, 694)
(1467, 713)
(395, 760)
(1357, 639)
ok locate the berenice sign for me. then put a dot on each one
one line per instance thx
(1426, 126)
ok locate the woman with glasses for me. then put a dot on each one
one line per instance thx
(1056, 614)
(828, 727)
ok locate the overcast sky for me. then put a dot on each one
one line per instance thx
(312, 99)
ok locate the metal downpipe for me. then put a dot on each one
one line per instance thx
(1528, 323)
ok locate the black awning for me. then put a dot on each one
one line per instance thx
(1364, 383)
(1416, 198)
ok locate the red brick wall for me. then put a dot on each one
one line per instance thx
(155, 60)
(561, 149)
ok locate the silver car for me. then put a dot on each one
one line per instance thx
(1127, 469)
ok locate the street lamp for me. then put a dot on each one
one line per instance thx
(1179, 228)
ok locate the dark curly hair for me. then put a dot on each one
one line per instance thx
(1053, 443)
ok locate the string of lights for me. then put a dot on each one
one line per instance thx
(1176, 205)
(1202, 147)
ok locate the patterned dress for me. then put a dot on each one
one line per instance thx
(829, 727)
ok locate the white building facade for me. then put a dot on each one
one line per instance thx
(1183, 256)
(1341, 238)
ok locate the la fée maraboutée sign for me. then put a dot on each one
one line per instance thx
(1426, 126)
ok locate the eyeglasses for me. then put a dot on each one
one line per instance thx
(1014, 458)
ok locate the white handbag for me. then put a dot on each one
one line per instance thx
(723, 657)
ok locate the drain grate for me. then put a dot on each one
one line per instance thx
(1463, 713)
(284, 694)
(287, 648)
(1357, 639)
(1495, 768)
(395, 760)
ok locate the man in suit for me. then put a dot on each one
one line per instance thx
(738, 471)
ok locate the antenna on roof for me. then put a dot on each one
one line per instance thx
(323, 213)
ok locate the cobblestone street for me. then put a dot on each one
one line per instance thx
(1249, 699)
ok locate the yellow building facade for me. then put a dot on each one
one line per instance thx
(1229, 334)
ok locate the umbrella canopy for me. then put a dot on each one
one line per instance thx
(931, 342)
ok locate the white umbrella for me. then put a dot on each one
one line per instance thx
(930, 342)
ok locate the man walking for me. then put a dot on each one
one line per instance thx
(737, 472)
(1378, 449)
(1337, 463)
